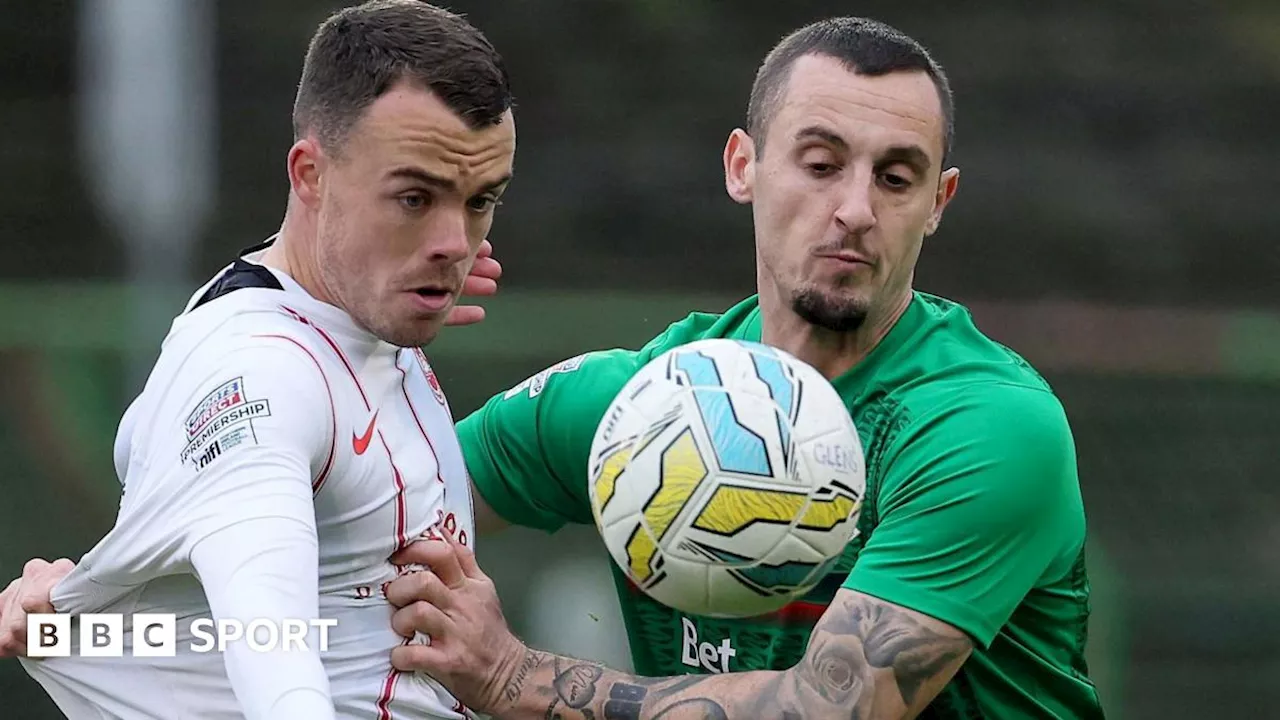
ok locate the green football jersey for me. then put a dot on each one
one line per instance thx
(972, 512)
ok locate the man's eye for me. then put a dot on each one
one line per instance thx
(483, 203)
(413, 201)
(821, 169)
(895, 182)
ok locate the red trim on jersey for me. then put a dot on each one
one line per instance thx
(328, 339)
(333, 414)
(402, 539)
(404, 379)
(389, 689)
(402, 509)
(798, 612)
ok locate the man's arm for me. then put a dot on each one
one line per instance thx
(866, 659)
(488, 521)
(526, 449)
(980, 501)
(219, 485)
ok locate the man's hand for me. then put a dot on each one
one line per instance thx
(472, 652)
(28, 594)
(482, 281)
(867, 659)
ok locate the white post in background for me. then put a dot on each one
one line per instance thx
(147, 129)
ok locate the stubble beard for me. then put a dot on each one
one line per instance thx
(821, 310)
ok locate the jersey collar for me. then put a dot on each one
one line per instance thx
(911, 320)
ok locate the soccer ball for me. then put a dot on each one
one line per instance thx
(726, 478)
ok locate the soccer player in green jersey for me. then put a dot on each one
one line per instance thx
(964, 595)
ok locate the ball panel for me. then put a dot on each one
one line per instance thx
(834, 461)
(603, 486)
(684, 586)
(727, 478)
(731, 595)
(617, 536)
(680, 470)
(733, 508)
(641, 554)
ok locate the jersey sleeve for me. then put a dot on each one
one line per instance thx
(527, 449)
(980, 501)
(218, 485)
(257, 569)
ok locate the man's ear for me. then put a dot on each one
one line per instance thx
(947, 184)
(305, 169)
(740, 166)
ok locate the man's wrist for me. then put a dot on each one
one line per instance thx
(512, 678)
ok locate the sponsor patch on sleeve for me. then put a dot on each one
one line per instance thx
(538, 382)
(222, 420)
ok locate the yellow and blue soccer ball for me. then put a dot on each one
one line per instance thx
(726, 478)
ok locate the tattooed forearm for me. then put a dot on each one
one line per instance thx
(866, 659)
(576, 686)
(532, 658)
(915, 648)
(880, 660)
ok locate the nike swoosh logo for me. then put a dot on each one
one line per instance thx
(361, 443)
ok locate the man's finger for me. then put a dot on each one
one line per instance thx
(33, 596)
(418, 658)
(465, 315)
(34, 565)
(7, 593)
(475, 286)
(419, 586)
(420, 551)
(466, 559)
(422, 617)
(486, 249)
(487, 268)
(438, 556)
(38, 580)
(13, 622)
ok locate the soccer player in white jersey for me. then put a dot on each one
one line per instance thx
(292, 437)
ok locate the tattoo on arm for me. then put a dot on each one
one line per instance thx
(532, 658)
(866, 659)
(915, 652)
(862, 642)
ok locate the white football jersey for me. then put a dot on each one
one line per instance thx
(277, 457)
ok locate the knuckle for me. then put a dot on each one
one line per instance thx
(32, 602)
(421, 613)
(427, 581)
(418, 657)
(34, 566)
(418, 580)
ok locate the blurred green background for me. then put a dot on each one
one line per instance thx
(1115, 224)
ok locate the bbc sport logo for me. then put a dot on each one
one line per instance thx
(156, 635)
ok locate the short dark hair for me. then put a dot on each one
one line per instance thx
(864, 46)
(360, 52)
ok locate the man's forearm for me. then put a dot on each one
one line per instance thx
(867, 660)
(553, 686)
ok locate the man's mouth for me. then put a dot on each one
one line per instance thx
(848, 256)
(433, 298)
